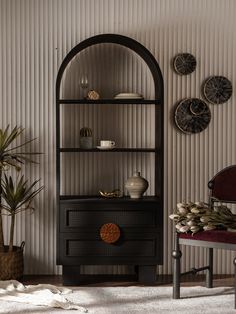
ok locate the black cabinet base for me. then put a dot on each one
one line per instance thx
(144, 274)
(147, 274)
(71, 275)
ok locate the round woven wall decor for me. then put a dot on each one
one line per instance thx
(192, 115)
(184, 63)
(110, 233)
(217, 89)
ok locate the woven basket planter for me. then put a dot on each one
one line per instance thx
(12, 263)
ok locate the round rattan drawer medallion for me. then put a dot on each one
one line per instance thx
(110, 233)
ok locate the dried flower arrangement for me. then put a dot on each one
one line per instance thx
(199, 216)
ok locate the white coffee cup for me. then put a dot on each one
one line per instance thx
(107, 143)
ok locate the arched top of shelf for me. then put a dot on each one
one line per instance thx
(125, 41)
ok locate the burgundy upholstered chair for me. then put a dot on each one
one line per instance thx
(223, 188)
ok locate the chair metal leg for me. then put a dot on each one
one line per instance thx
(235, 282)
(176, 254)
(209, 273)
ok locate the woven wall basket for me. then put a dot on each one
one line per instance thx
(12, 263)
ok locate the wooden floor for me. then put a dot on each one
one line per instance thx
(115, 281)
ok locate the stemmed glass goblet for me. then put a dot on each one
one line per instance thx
(84, 84)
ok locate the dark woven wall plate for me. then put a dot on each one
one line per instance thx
(217, 89)
(184, 63)
(192, 115)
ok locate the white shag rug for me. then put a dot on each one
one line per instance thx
(121, 300)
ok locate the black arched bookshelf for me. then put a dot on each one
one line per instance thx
(80, 217)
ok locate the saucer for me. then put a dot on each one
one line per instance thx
(105, 147)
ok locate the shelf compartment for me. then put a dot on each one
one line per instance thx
(98, 171)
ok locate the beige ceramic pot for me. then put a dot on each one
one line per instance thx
(136, 185)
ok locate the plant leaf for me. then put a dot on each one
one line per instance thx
(8, 155)
(18, 195)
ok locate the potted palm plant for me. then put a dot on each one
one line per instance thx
(15, 196)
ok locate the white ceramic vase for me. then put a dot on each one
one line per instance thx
(136, 185)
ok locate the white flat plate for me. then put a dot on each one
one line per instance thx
(105, 147)
(128, 95)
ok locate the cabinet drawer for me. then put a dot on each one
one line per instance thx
(92, 250)
(77, 247)
(73, 216)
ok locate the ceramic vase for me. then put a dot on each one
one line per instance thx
(136, 185)
(86, 142)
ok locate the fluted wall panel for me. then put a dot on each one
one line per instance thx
(36, 35)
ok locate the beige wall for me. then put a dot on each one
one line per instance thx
(35, 37)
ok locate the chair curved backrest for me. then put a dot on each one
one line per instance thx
(223, 185)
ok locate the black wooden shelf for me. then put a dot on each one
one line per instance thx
(114, 150)
(110, 101)
(95, 198)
